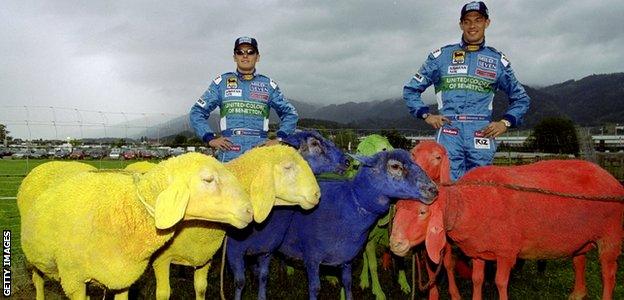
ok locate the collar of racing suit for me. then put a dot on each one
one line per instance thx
(246, 76)
(471, 47)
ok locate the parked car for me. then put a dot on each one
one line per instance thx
(97, 154)
(39, 153)
(177, 151)
(21, 153)
(115, 153)
(77, 154)
(5, 152)
(145, 154)
(128, 154)
(60, 154)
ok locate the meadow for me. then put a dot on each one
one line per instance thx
(526, 282)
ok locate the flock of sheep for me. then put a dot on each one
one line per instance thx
(82, 225)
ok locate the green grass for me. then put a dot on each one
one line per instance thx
(526, 282)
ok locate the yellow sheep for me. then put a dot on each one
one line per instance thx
(45, 176)
(140, 167)
(104, 226)
(275, 175)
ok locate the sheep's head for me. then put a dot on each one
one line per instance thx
(321, 154)
(395, 175)
(432, 158)
(280, 177)
(201, 188)
(409, 226)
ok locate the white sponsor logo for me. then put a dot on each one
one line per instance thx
(504, 60)
(233, 93)
(481, 143)
(217, 80)
(201, 103)
(436, 52)
(273, 84)
(418, 77)
(459, 69)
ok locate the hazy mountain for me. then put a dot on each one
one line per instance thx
(593, 100)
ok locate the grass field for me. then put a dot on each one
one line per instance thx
(526, 283)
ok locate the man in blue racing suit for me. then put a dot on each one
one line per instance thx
(244, 98)
(465, 77)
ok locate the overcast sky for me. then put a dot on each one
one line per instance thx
(159, 56)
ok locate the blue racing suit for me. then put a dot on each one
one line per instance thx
(465, 82)
(244, 102)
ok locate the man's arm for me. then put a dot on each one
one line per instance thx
(413, 90)
(285, 110)
(200, 112)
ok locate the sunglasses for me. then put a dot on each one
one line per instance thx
(243, 52)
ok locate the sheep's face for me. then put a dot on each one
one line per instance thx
(321, 154)
(295, 183)
(216, 195)
(432, 158)
(395, 175)
(409, 226)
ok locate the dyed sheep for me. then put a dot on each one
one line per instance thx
(140, 167)
(260, 240)
(104, 226)
(336, 230)
(491, 221)
(275, 175)
(433, 159)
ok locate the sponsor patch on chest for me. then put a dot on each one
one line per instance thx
(485, 73)
(233, 93)
(232, 83)
(487, 62)
(459, 56)
(458, 69)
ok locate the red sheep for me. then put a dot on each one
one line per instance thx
(432, 158)
(505, 213)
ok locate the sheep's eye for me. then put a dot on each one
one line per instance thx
(438, 157)
(384, 149)
(395, 167)
(315, 143)
(422, 212)
(208, 179)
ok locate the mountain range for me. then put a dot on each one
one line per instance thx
(591, 101)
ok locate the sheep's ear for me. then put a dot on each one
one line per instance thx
(445, 169)
(435, 239)
(364, 160)
(171, 204)
(262, 193)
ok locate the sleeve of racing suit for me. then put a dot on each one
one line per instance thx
(519, 101)
(412, 91)
(200, 112)
(285, 110)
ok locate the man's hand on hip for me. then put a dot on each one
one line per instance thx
(437, 121)
(221, 143)
(494, 129)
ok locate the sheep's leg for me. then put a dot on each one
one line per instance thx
(314, 282)
(237, 264)
(449, 265)
(478, 270)
(364, 283)
(38, 281)
(123, 295)
(503, 269)
(580, 287)
(200, 281)
(346, 280)
(79, 293)
(608, 251)
(434, 294)
(371, 247)
(264, 262)
(161, 272)
(402, 280)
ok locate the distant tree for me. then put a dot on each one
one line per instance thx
(195, 141)
(75, 143)
(179, 140)
(554, 135)
(346, 139)
(4, 134)
(396, 139)
(119, 143)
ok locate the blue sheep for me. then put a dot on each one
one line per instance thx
(260, 240)
(336, 230)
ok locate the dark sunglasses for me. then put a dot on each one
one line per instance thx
(243, 52)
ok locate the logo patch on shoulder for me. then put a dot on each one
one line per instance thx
(436, 52)
(504, 60)
(217, 80)
(273, 84)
